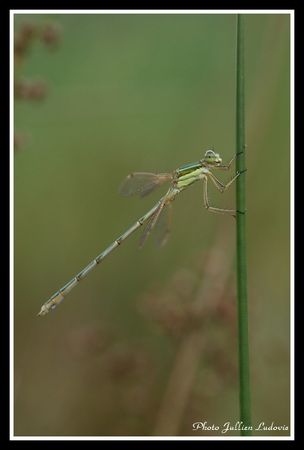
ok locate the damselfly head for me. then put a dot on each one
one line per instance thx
(212, 159)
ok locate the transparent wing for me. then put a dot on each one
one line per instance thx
(142, 183)
(163, 225)
(150, 225)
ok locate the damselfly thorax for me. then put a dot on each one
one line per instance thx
(188, 174)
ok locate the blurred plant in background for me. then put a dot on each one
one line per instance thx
(197, 310)
(27, 35)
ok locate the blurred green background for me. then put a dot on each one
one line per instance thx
(145, 93)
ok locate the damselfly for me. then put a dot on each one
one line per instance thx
(143, 183)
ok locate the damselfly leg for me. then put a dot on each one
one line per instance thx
(222, 188)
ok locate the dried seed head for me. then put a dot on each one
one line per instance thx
(23, 38)
(27, 30)
(19, 141)
(30, 90)
(51, 35)
(22, 89)
(38, 90)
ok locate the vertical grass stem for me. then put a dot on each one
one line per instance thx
(244, 372)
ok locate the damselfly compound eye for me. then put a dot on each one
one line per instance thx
(209, 154)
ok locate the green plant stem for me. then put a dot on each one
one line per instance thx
(245, 415)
